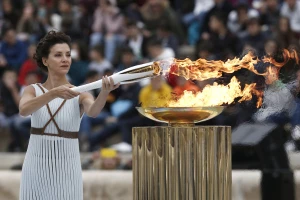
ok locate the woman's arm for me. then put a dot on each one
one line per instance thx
(93, 107)
(29, 103)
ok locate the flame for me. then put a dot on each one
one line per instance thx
(287, 55)
(202, 69)
(213, 95)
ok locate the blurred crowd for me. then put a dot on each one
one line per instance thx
(111, 35)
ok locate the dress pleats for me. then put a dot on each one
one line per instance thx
(52, 167)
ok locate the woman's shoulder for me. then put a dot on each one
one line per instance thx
(29, 89)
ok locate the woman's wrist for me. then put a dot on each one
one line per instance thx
(104, 92)
(52, 93)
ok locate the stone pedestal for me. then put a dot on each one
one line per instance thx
(183, 162)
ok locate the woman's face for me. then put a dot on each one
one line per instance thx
(59, 59)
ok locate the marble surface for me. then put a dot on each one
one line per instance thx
(115, 185)
(104, 185)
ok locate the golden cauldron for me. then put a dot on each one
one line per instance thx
(180, 115)
(181, 161)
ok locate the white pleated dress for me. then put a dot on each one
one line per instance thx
(52, 167)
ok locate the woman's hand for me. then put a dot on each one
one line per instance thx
(108, 85)
(64, 92)
(93, 107)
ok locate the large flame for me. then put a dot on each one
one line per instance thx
(213, 95)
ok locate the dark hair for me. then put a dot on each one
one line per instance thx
(7, 29)
(8, 69)
(154, 41)
(242, 6)
(108, 72)
(131, 23)
(220, 16)
(165, 26)
(91, 74)
(83, 49)
(253, 20)
(127, 50)
(204, 46)
(43, 47)
(98, 49)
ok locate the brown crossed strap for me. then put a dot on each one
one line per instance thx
(52, 116)
(64, 134)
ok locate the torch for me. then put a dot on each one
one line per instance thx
(130, 75)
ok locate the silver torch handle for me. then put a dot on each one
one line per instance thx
(132, 74)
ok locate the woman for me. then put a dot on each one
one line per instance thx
(52, 168)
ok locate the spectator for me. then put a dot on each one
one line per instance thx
(271, 47)
(3, 63)
(9, 93)
(91, 76)
(194, 20)
(126, 117)
(28, 66)
(278, 103)
(88, 123)
(270, 13)
(283, 34)
(295, 134)
(238, 18)
(219, 6)
(86, 11)
(132, 10)
(80, 63)
(156, 94)
(156, 51)
(13, 50)
(29, 27)
(127, 59)
(20, 127)
(98, 62)
(135, 39)
(223, 41)
(204, 50)
(291, 10)
(107, 27)
(10, 97)
(44, 14)
(169, 39)
(69, 19)
(254, 38)
(90, 5)
(154, 11)
(10, 15)
(1, 19)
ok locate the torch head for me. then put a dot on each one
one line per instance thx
(146, 70)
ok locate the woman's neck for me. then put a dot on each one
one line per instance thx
(55, 81)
